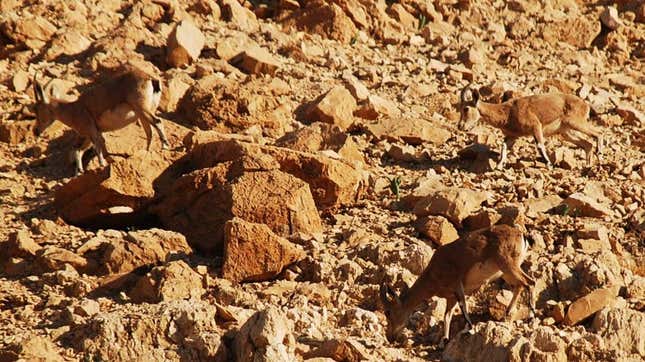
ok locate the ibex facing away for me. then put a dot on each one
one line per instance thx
(105, 107)
(458, 269)
(537, 116)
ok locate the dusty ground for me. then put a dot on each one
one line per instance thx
(63, 297)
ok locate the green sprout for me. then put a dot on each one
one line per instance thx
(395, 187)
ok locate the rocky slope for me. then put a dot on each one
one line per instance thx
(316, 155)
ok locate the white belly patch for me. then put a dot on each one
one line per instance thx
(479, 274)
(116, 118)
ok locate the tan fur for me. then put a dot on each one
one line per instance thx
(104, 107)
(458, 269)
(539, 116)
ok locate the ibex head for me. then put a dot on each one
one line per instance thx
(469, 99)
(46, 102)
(396, 316)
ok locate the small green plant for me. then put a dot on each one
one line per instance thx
(395, 187)
(422, 21)
(353, 40)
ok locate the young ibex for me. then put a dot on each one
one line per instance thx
(537, 116)
(105, 107)
(458, 269)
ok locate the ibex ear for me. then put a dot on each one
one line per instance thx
(39, 93)
(388, 296)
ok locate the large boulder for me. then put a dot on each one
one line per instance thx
(113, 194)
(622, 329)
(252, 252)
(333, 183)
(172, 330)
(251, 187)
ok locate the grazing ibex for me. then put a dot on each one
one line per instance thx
(105, 107)
(458, 269)
(537, 116)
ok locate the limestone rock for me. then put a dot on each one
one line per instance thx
(256, 60)
(622, 329)
(583, 205)
(590, 304)
(414, 131)
(323, 18)
(20, 81)
(16, 132)
(98, 196)
(20, 244)
(437, 228)
(335, 107)
(453, 203)
(252, 252)
(578, 31)
(55, 258)
(172, 330)
(250, 187)
(377, 106)
(175, 280)
(320, 136)
(356, 87)
(69, 43)
(33, 32)
(184, 44)
(242, 17)
(266, 336)
(140, 248)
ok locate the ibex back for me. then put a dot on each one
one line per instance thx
(104, 107)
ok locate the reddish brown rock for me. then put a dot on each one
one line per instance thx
(184, 44)
(453, 203)
(437, 228)
(103, 196)
(15, 132)
(252, 252)
(578, 31)
(398, 12)
(20, 81)
(68, 43)
(335, 107)
(324, 18)
(140, 248)
(242, 17)
(376, 106)
(33, 32)
(590, 304)
(251, 187)
(414, 131)
(256, 60)
(175, 280)
(20, 244)
(580, 204)
(55, 258)
(322, 136)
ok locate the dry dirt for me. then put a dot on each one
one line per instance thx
(264, 234)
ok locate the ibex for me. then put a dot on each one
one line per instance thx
(537, 116)
(458, 269)
(104, 107)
